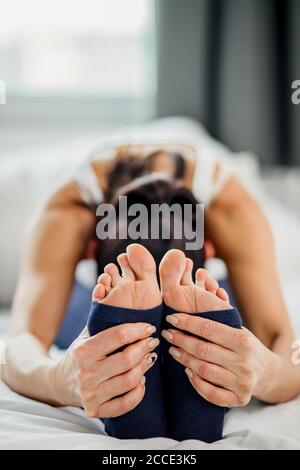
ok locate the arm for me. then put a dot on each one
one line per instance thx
(54, 245)
(84, 376)
(241, 235)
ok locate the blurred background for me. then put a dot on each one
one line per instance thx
(87, 66)
(80, 70)
(75, 67)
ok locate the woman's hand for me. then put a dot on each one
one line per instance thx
(226, 366)
(105, 384)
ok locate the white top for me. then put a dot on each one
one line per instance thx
(211, 173)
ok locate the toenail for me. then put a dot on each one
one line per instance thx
(153, 343)
(167, 335)
(151, 358)
(172, 319)
(150, 329)
(189, 373)
(174, 352)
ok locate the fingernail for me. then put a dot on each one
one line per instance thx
(174, 352)
(153, 343)
(172, 319)
(167, 335)
(151, 358)
(143, 380)
(189, 373)
(150, 329)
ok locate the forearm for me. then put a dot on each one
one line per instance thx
(257, 290)
(29, 370)
(258, 294)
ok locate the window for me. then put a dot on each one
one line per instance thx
(90, 52)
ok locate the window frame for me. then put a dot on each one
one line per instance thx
(65, 108)
(55, 109)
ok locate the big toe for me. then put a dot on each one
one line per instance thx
(171, 269)
(141, 262)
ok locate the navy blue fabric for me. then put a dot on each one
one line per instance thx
(148, 418)
(226, 285)
(75, 317)
(78, 309)
(181, 401)
(189, 415)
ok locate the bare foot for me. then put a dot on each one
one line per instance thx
(137, 288)
(181, 293)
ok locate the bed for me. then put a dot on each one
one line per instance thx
(28, 424)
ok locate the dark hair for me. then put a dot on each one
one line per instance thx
(128, 167)
(150, 190)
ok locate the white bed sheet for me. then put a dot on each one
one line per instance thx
(28, 424)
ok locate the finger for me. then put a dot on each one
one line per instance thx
(121, 362)
(211, 393)
(200, 349)
(121, 405)
(114, 338)
(210, 372)
(128, 381)
(213, 331)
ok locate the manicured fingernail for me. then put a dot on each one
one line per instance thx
(174, 352)
(143, 380)
(189, 373)
(151, 358)
(168, 335)
(150, 329)
(172, 319)
(153, 343)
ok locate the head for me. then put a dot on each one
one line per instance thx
(136, 179)
(128, 167)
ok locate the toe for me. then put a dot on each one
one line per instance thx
(187, 279)
(141, 262)
(105, 280)
(113, 271)
(211, 285)
(222, 294)
(171, 269)
(127, 272)
(98, 293)
(201, 276)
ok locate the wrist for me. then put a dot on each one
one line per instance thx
(62, 385)
(47, 375)
(268, 377)
(57, 386)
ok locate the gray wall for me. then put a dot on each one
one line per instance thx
(230, 64)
